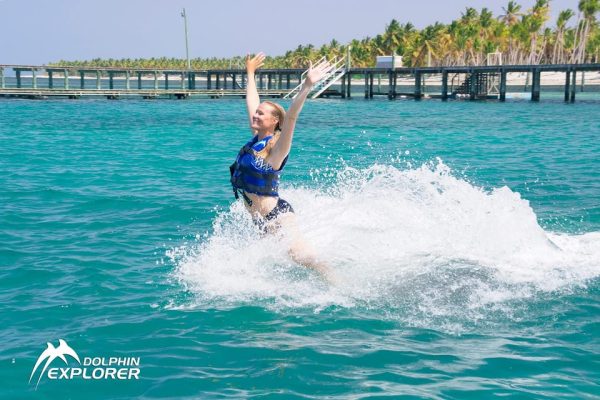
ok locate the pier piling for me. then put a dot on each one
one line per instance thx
(445, 85)
(535, 85)
(502, 89)
(349, 86)
(473, 85)
(573, 85)
(567, 85)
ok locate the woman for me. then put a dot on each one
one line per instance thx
(255, 172)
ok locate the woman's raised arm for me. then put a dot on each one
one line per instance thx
(252, 99)
(284, 144)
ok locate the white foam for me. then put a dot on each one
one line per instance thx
(418, 240)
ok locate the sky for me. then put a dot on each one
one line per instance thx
(35, 32)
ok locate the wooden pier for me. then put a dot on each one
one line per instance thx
(112, 83)
(473, 83)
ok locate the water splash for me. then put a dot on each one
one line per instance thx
(417, 244)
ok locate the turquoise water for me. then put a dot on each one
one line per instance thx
(465, 236)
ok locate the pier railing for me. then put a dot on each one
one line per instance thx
(74, 82)
(338, 69)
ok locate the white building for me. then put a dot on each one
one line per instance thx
(386, 62)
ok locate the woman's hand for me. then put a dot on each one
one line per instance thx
(254, 63)
(317, 72)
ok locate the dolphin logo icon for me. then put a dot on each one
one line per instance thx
(50, 354)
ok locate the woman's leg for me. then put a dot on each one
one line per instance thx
(300, 250)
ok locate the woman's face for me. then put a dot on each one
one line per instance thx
(263, 119)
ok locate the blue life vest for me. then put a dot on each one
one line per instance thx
(251, 173)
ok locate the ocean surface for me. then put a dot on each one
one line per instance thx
(464, 237)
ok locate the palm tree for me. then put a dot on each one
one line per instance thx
(335, 50)
(512, 12)
(391, 37)
(589, 8)
(425, 46)
(537, 19)
(559, 44)
(511, 15)
(594, 46)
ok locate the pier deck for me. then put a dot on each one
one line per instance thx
(472, 82)
(43, 93)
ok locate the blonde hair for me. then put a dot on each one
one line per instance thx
(278, 112)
